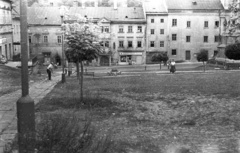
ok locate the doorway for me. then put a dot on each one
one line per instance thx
(188, 55)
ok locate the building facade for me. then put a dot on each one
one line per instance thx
(6, 36)
(132, 35)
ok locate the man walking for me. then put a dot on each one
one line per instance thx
(50, 70)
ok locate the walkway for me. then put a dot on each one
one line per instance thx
(8, 118)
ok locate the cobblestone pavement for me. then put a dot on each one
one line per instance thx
(8, 117)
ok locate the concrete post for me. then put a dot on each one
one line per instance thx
(25, 105)
(110, 60)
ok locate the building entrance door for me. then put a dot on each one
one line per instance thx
(188, 55)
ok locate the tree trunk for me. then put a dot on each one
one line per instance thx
(160, 65)
(204, 66)
(81, 86)
(78, 75)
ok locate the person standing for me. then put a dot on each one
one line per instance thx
(50, 70)
(172, 66)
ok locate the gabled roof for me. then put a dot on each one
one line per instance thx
(44, 15)
(194, 4)
(51, 15)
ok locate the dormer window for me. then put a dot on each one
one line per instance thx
(126, 16)
(194, 2)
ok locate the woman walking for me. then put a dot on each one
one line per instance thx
(172, 66)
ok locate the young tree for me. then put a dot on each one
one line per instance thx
(82, 44)
(202, 56)
(160, 57)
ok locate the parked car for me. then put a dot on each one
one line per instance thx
(3, 60)
(114, 72)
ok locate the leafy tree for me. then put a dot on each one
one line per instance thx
(232, 51)
(202, 56)
(82, 45)
(160, 57)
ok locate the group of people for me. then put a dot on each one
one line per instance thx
(172, 64)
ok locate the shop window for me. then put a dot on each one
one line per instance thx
(123, 59)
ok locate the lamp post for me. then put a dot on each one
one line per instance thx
(25, 105)
(63, 72)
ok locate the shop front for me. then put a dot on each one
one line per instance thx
(129, 58)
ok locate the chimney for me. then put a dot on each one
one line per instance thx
(96, 3)
(83, 4)
(115, 5)
(75, 3)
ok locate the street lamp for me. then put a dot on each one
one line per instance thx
(63, 72)
(25, 105)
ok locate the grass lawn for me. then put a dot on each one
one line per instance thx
(158, 113)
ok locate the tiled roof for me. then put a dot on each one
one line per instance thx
(155, 6)
(51, 15)
(109, 13)
(44, 15)
(189, 4)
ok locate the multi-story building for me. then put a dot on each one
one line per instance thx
(16, 27)
(6, 38)
(123, 31)
(182, 28)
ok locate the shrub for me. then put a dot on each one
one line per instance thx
(160, 57)
(232, 51)
(67, 133)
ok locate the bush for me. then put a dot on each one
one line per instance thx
(202, 56)
(232, 51)
(67, 133)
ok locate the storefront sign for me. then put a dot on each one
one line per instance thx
(130, 53)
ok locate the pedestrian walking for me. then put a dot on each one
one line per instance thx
(50, 70)
(172, 66)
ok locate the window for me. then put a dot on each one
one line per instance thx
(152, 31)
(151, 43)
(188, 24)
(139, 29)
(174, 37)
(102, 29)
(114, 46)
(216, 24)
(174, 52)
(215, 53)
(139, 44)
(152, 20)
(129, 29)
(161, 31)
(121, 44)
(130, 44)
(188, 38)
(205, 38)
(162, 21)
(120, 29)
(161, 43)
(174, 22)
(107, 29)
(30, 39)
(59, 39)
(45, 39)
(106, 43)
(216, 38)
(205, 24)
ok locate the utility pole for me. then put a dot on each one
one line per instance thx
(63, 61)
(25, 105)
